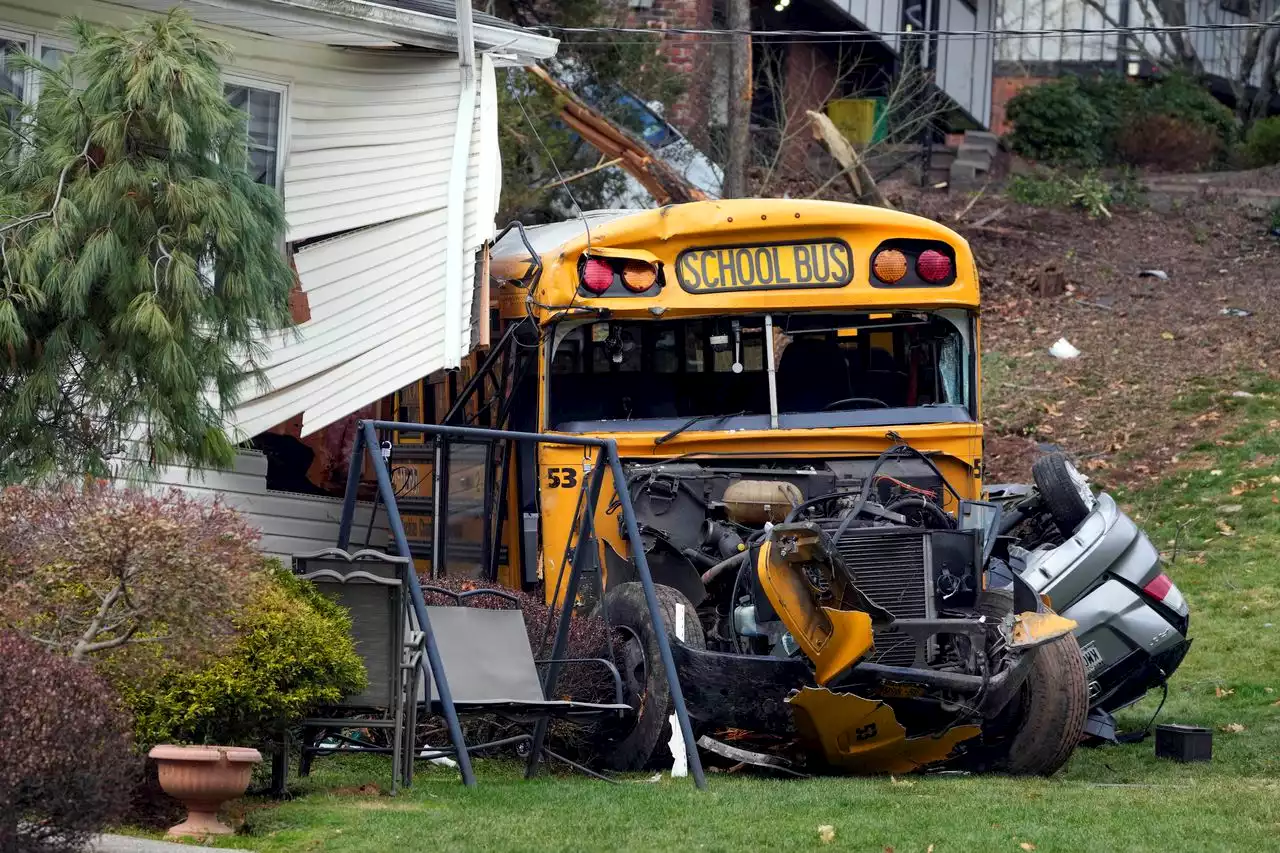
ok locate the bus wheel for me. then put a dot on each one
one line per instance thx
(643, 678)
(1040, 729)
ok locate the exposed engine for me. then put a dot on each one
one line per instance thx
(905, 553)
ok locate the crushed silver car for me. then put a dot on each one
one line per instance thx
(1095, 566)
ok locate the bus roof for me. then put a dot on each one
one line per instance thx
(662, 234)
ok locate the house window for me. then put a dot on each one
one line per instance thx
(14, 80)
(22, 83)
(265, 104)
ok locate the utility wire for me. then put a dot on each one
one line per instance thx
(1051, 31)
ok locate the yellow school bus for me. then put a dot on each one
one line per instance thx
(793, 387)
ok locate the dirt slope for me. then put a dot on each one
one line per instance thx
(1159, 358)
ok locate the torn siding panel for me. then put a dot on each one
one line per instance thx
(377, 294)
(368, 288)
(369, 145)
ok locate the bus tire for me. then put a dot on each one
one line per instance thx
(643, 677)
(1038, 734)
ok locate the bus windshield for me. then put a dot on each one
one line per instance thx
(760, 371)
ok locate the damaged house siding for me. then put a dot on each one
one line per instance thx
(366, 194)
(365, 143)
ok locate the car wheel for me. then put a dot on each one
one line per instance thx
(1065, 491)
(1040, 729)
(640, 663)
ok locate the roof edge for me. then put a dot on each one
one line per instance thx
(403, 25)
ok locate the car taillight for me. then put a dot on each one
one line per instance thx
(890, 266)
(1159, 587)
(639, 276)
(597, 275)
(933, 266)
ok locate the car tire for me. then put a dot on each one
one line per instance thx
(643, 676)
(1037, 735)
(1064, 490)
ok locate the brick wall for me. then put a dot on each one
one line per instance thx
(1002, 90)
(689, 55)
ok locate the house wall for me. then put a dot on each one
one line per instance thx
(878, 16)
(290, 523)
(1040, 55)
(368, 142)
(964, 63)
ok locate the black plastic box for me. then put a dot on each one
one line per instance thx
(1184, 743)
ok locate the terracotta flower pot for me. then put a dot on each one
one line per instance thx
(202, 778)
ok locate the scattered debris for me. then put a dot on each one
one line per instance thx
(1232, 728)
(1243, 394)
(1225, 529)
(1235, 312)
(826, 833)
(1027, 845)
(1221, 693)
(1168, 336)
(746, 756)
(1228, 509)
(1062, 348)
(1160, 274)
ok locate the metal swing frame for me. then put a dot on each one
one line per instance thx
(576, 555)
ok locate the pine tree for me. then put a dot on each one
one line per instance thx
(139, 263)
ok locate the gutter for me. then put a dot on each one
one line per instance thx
(395, 25)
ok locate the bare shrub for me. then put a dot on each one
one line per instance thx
(1168, 143)
(68, 766)
(135, 580)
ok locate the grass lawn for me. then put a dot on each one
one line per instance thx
(1225, 502)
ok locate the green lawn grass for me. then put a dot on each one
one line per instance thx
(1224, 510)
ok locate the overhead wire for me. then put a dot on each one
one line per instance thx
(666, 32)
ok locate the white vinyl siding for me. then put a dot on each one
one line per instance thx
(290, 523)
(1220, 51)
(367, 145)
(964, 64)
(370, 145)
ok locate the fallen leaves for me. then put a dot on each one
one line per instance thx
(1225, 529)
(1232, 728)
(1221, 693)
(826, 833)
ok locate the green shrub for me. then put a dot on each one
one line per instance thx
(1057, 123)
(1262, 143)
(1116, 100)
(293, 652)
(1183, 97)
(1107, 119)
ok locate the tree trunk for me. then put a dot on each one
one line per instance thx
(740, 84)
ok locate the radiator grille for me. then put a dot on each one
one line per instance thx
(890, 567)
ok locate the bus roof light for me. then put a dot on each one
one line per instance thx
(639, 276)
(933, 266)
(597, 275)
(890, 266)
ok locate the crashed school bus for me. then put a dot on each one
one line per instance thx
(793, 387)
